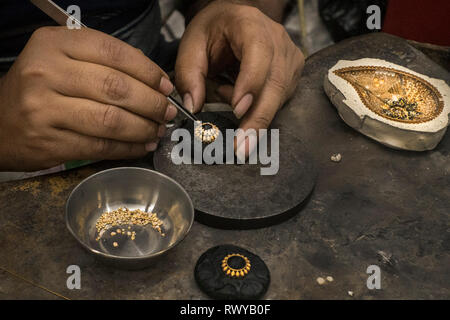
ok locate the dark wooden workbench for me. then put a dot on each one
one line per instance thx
(375, 203)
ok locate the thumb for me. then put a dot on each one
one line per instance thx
(191, 69)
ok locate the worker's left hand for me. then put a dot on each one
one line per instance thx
(225, 34)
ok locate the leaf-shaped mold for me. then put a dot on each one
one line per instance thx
(394, 94)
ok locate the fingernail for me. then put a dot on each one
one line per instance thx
(165, 86)
(188, 102)
(151, 146)
(171, 112)
(243, 105)
(161, 130)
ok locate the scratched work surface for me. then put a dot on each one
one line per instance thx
(377, 206)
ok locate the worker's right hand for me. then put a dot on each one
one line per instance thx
(80, 94)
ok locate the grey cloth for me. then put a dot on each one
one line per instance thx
(145, 33)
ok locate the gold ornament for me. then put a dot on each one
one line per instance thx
(394, 94)
(236, 273)
(206, 132)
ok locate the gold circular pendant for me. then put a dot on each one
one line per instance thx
(206, 132)
(236, 272)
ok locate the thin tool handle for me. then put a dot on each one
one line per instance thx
(180, 107)
(55, 12)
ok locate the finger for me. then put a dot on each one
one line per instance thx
(74, 146)
(272, 97)
(255, 65)
(280, 84)
(295, 63)
(93, 46)
(191, 69)
(95, 119)
(260, 116)
(109, 86)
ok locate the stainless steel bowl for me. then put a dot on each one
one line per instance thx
(132, 188)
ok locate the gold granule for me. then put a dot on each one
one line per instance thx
(124, 216)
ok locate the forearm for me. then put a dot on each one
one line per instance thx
(273, 9)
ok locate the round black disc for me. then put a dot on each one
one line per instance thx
(213, 281)
(237, 196)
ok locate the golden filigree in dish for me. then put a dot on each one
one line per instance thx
(394, 94)
(236, 272)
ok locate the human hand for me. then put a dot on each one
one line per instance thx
(80, 94)
(226, 34)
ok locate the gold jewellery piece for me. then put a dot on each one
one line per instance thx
(206, 132)
(394, 94)
(236, 273)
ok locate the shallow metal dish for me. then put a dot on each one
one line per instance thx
(133, 188)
